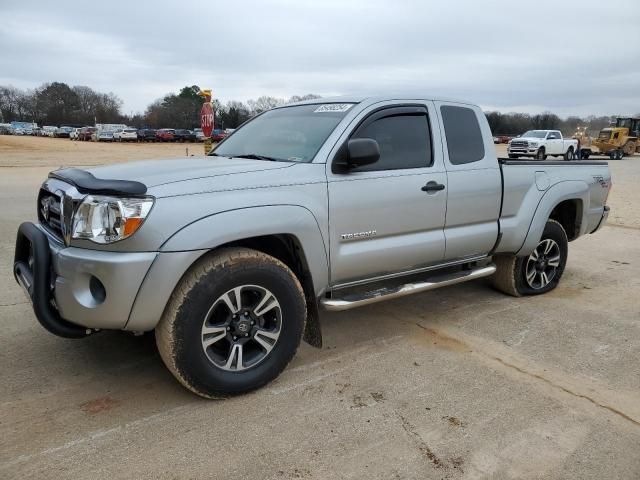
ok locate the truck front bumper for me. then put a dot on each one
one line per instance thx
(76, 291)
(522, 151)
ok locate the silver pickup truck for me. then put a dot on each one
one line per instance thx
(332, 203)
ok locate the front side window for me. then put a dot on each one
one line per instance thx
(464, 138)
(293, 134)
(404, 141)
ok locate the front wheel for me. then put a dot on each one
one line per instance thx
(540, 154)
(538, 273)
(233, 323)
(629, 148)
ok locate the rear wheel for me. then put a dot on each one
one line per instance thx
(233, 323)
(569, 154)
(540, 154)
(538, 273)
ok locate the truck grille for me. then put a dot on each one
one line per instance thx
(50, 213)
(519, 144)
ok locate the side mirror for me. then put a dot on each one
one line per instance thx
(362, 151)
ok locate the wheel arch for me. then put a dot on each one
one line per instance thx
(288, 249)
(568, 213)
(289, 233)
(564, 202)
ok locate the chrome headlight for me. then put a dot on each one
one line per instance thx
(109, 219)
(533, 144)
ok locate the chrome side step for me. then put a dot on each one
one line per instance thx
(352, 301)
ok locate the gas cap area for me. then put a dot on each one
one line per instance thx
(542, 181)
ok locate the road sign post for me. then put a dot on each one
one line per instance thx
(207, 119)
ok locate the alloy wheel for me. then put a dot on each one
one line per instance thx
(241, 328)
(542, 265)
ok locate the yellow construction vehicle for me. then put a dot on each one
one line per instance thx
(619, 140)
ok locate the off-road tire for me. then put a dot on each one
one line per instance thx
(540, 155)
(178, 334)
(510, 275)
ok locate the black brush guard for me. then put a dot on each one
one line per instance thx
(32, 270)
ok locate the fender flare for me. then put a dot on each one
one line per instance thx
(566, 190)
(239, 224)
(188, 244)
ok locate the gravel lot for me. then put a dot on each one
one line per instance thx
(463, 382)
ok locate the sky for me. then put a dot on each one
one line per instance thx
(568, 57)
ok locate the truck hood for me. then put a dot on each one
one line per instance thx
(529, 139)
(154, 173)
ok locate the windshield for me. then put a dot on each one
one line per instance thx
(292, 134)
(623, 123)
(535, 134)
(604, 134)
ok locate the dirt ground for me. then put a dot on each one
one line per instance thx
(460, 383)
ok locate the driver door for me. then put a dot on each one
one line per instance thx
(382, 217)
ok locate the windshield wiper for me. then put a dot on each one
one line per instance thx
(255, 156)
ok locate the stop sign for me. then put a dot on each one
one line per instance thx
(206, 119)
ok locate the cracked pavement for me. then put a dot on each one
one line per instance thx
(457, 383)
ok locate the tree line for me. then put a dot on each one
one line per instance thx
(57, 103)
(517, 123)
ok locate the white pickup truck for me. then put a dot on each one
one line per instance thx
(542, 143)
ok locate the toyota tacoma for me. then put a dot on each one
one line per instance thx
(327, 204)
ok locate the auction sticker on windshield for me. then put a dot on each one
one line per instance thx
(333, 107)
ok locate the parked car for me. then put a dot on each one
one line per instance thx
(146, 135)
(199, 134)
(6, 129)
(63, 132)
(165, 135)
(73, 135)
(229, 131)
(181, 135)
(308, 205)
(102, 136)
(502, 139)
(36, 131)
(218, 135)
(125, 135)
(542, 143)
(19, 131)
(85, 133)
(49, 131)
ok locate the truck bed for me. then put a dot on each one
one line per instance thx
(539, 186)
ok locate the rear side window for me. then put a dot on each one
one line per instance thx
(464, 139)
(404, 142)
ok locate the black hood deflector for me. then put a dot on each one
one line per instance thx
(85, 182)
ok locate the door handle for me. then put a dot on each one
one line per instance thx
(432, 187)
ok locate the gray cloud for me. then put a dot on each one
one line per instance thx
(571, 57)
